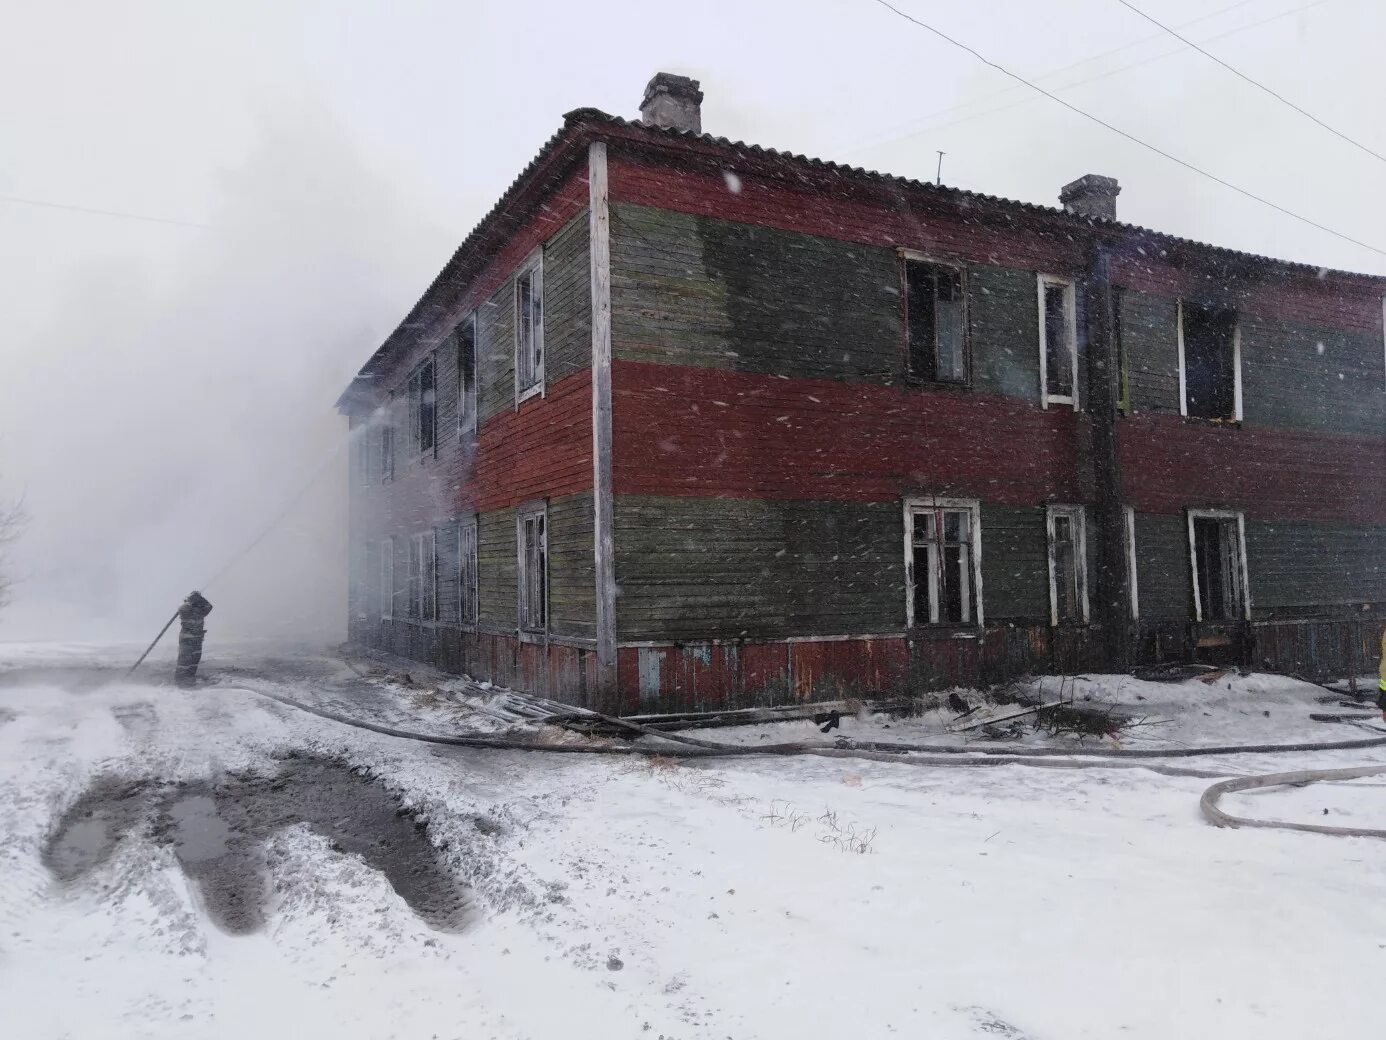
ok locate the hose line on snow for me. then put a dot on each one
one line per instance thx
(1209, 802)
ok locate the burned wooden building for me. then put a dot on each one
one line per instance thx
(686, 422)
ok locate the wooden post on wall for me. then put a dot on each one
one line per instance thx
(599, 230)
(1111, 591)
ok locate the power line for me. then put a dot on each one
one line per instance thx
(92, 210)
(1128, 136)
(920, 123)
(1255, 83)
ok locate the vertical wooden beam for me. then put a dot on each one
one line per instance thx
(599, 234)
(1113, 582)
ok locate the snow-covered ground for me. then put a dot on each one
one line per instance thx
(610, 897)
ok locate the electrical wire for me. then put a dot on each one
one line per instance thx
(1255, 83)
(94, 211)
(1186, 164)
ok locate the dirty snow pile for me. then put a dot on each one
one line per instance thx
(215, 864)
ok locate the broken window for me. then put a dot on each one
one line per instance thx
(1058, 341)
(529, 329)
(942, 566)
(423, 406)
(935, 322)
(466, 572)
(466, 374)
(1068, 572)
(423, 578)
(387, 579)
(1219, 562)
(1209, 362)
(534, 569)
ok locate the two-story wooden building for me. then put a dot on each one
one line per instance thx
(686, 422)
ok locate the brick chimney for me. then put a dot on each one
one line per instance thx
(1091, 195)
(673, 102)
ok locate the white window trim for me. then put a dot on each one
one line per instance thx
(387, 579)
(1079, 517)
(923, 503)
(1071, 326)
(463, 527)
(534, 264)
(1219, 514)
(466, 417)
(1236, 367)
(1129, 513)
(535, 509)
(427, 548)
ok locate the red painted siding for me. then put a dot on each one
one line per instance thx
(699, 431)
(1277, 474)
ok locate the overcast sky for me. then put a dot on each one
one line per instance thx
(167, 384)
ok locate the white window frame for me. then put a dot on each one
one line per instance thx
(467, 399)
(1070, 288)
(929, 505)
(1078, 516)
(1129, 515)
(467, 548)
(534, 268)
(387, 579)
(423, 605)
(1219, 514)
(1236, 368)
(528, 512)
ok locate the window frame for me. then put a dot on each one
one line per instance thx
(1123, 355)
(917, 505)
(387, 427)
(523, 611)
(1236, 369)
(1243, 574)
(912, 256)
(467, 397)
(468, 569)
(1078, 517)
(1070, 287)
(1133, 586)
(387, 579)
(532, 268)
(414, 384)
(422, 591)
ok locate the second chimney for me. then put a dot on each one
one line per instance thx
(1091, 195)
(673, 102)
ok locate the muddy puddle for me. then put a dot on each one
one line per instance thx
(218, 830)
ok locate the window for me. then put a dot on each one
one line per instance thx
(1058, 329)
(1210, 362)
(531, 529)
(1217, 550)
(466, 572)
(1068, 568)
(423, 578)
(942, 562)
(529, 329)
(387, 579)
(423, 407)
(1123, 358)
(368, 601)
(1129, 515)
(466, 374)
(935, 321)
(387, 447)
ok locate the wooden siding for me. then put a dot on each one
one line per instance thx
(1162, 568)
(496, 566)
(703, 568)
(1302, 569)
(543, 449)
(698, 431)
(1003, 314)
(567, 301)
(1015, 564)
(1150, 339)
(1172, 463)
(572, 572)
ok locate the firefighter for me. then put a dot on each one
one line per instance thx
(192, 617)
(1381, 671)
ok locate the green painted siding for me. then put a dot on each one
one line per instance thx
(1149, 331)
(1162, 567)
(1313, 568)
(497, 606)
(690, 568)
(1003, 308)
(1312, 378)
(1015, 564)
(572, 570)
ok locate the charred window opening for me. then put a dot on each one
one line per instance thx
(466, 374)
(1068, 572)
(466, 573)
(1058, 341)
(936, 322)
(942, 560)
(529, 329)
(423, 407)
(1122, 354)
(1209, 339)
(1219, 585)
(534, 569)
